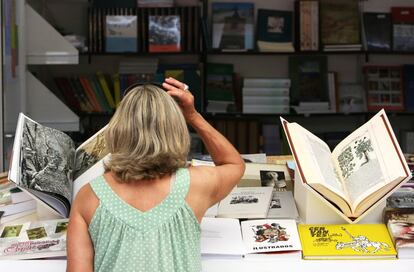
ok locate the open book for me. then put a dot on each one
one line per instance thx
(361, 170)
(46, 164)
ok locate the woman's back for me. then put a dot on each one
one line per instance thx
(164, 238)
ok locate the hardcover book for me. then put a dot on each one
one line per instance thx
(164, 33)
(246, 202)
(233, 25)
(275, 30)
(121, 33)
(402, 233)
(377, 31)
(340, 23)
(33, 240)
(359, 241)
(362, 169)
(403, 28)
(271, 236)
(46, 164)
(309, 77)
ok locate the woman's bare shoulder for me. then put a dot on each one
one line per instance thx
(86, 202)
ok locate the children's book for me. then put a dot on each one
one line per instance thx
(362, 169)
(46, 164)
(33, 240)
(351, 241)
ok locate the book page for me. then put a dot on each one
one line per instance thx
(89, 153)
(46, 159)
(221, 236)
(316, 160)
(369, 159)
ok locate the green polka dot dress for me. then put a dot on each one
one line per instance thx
(165, 238)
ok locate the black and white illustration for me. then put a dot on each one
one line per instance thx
(47, 160)
(244, 199)
(274, 179)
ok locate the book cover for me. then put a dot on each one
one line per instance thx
(340, 22)
(402, 233)
(219, 85)
(275, 30)
(33, 240)
(402, 28)
(121, 33)
(233, 25)
(377, 31)
(283, 205)
(46, 164)
(384, 88)
(309, 79)
(246, 202)
(270, 235)
(357, 241)
(164, 33)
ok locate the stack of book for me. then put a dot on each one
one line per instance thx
(266, 95)
(14, 203)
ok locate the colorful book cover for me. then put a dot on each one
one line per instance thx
(121, 33)
(164, 33)
(403, 28)
(340, 22)
(352, 241)
(377, 31)
(270, 235)
(233, 25)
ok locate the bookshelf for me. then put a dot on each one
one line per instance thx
(347, 64)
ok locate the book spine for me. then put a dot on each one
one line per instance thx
(106, 90)
(247, 91)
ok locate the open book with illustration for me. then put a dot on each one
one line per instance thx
(361, 170)
(46, 164)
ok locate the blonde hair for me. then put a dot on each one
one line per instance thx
(147, 136)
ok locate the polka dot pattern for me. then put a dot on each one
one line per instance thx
(165, 238)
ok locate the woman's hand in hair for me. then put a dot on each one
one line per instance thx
(185, 98)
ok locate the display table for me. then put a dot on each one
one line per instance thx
(219, 265)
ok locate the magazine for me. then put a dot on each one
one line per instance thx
(33, 240)
(46, 164)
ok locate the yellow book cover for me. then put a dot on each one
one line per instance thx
(356, 241)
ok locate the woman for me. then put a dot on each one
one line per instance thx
(143, 214)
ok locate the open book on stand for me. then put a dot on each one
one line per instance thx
(46, 164)
(364, 168)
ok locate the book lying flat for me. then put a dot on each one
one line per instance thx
(246, 202)
(32, 240)
(46, 164)
(365, 167)
(275, 237)
(349, 241)
(228, 238)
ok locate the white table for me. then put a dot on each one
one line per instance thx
(214, 265)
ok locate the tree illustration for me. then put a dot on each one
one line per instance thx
(362, 147)
(345, 160)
